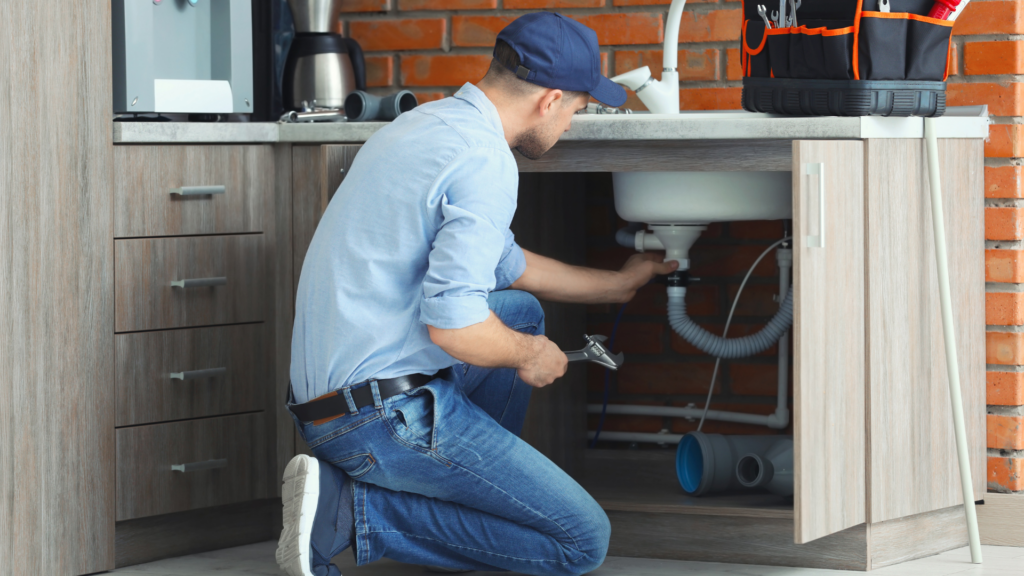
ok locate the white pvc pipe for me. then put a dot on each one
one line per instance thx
(770, 420)
(638, 437)
(948, 331)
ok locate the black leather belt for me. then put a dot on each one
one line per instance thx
(334, 404)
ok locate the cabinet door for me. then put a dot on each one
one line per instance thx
(317, 171)
(912, 465)
(828, 354)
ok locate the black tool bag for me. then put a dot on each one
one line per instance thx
(846, 58)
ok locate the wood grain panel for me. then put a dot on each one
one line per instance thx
(146, 485)
(145, 360)
(912, 465)
(999, 520)
(279, 268)
(56, 296)
(336, 161)
(183, 533)
(145, 269)
(904, 539)
(828, 343)
(307, 204)
(763, 541)
(549, 221)
(632, 156)
(144, 175)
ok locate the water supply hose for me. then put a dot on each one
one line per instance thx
(728, 348)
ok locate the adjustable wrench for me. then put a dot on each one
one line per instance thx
(596, 352)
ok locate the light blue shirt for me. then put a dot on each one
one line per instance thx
(417, 234)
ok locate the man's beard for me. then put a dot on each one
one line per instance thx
(531, 144)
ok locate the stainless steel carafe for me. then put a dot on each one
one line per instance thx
(322, 68)
(313, 15)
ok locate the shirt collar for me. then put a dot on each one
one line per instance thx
(481, 102)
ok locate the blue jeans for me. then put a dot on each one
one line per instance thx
(440, 476)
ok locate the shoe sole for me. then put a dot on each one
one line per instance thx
(299, 495)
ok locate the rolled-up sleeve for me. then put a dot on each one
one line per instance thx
(512, 263)
(477, 202)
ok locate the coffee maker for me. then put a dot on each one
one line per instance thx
(322, 67)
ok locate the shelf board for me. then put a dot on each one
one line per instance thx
(645, 481)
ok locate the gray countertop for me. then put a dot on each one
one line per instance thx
(730, 125)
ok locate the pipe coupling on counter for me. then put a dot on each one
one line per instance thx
(728, 348)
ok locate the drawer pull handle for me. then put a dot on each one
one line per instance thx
(818, 169)
(196, 466)
(195, 374)
(198, 190)
(199, 282)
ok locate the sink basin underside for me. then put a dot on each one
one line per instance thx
(701, 197)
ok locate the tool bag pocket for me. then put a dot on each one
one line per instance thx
(754, 55)
(902, 46)
(824, 51)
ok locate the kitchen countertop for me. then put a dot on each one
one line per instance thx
(729, 125)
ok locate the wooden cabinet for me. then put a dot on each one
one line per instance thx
(195, 281)
(179, 374)
(175, 190)
(164, 468)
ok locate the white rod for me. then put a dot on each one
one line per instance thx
(948, 329)
(670, 48)
(679, 412)
(638, 437)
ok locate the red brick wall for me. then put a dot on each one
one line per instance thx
(434, 46)
(989, 53)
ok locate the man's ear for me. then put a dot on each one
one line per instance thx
(549, 101)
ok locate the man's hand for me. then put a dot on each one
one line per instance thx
(546, 363)
(638, 271)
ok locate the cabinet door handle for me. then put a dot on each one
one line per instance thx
(198, 190)
(196, 466)
(818, 169)
(194, 374)
(199, 282)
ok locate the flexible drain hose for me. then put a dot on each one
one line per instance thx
(727, 348)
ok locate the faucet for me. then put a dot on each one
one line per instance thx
(660, 97)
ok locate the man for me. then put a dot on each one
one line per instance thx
(411, 363)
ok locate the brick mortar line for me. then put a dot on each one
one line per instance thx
(1009, 369)
(1004, 329)
(1005, 410)
(998, 453)
(1004, 245)
(1003, 162)
(1003, 288)
(608, 49)
(1004, 202)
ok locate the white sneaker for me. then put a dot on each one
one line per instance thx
(299, 495)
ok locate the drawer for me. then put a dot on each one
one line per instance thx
(189, 373)
(164, 468)
(144, 177)
(145, 268)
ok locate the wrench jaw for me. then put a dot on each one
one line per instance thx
(596, 352)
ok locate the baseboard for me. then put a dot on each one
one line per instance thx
(1001, 519)
(903, 539)
(156, 537)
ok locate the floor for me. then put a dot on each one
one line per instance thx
(258, 560)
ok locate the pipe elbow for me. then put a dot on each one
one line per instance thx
(780, 419)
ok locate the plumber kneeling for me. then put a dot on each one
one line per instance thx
(418, 336)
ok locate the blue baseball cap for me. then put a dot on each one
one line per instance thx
(558, 52)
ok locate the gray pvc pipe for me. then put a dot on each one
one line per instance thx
(363, 107)
(626, 237)
(707, 463)
(727, 348)
(772, 469)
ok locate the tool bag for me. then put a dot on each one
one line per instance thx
(846, 58)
